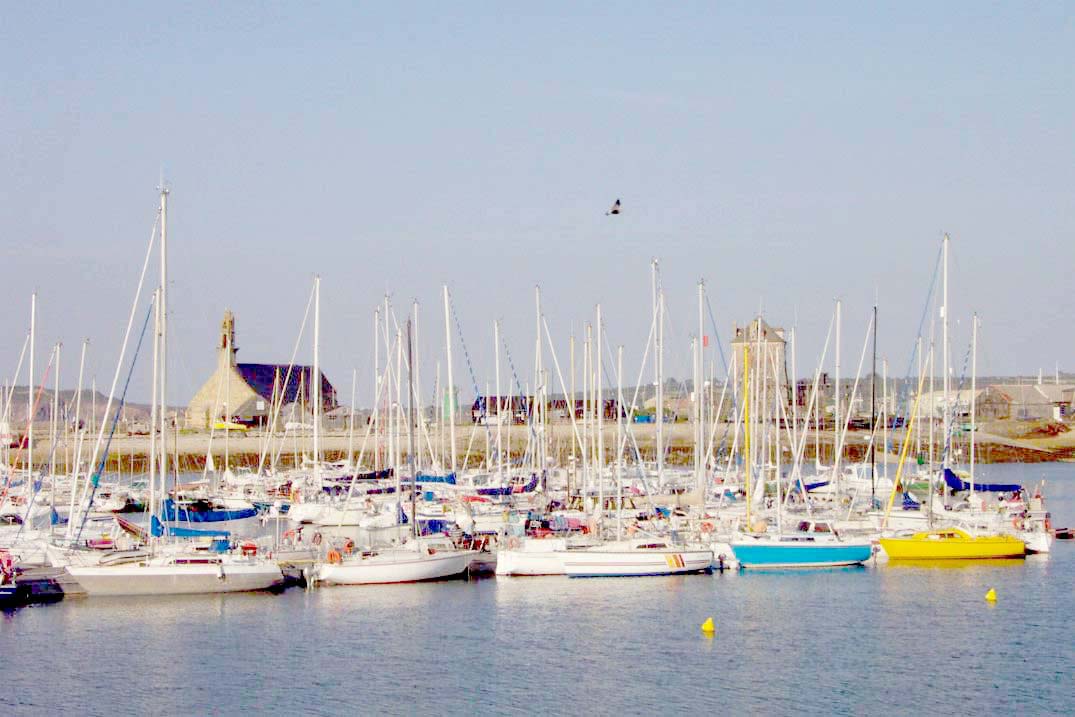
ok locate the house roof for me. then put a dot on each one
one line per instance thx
(262, 376)
(1031, 393)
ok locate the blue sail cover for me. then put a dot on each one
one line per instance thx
(958, 484)
(158, 529)
(511, 488)
(172, 513)
(434, 526)
(431, 478)
(909, 503)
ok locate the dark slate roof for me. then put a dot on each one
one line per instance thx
(261, 376)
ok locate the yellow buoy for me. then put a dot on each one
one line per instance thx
(991, 596)
(707, 627)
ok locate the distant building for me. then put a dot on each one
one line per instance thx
(245, 392)
(765, 346)
(1031, 401)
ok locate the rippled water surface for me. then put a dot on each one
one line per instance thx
(875, 640)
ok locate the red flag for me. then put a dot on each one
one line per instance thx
(705, 342)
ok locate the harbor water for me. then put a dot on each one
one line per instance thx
(881, 639)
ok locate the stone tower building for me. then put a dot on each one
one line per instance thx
(246, 392)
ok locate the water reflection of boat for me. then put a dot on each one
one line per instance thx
(952, 563)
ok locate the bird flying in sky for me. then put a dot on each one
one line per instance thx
(615, 209)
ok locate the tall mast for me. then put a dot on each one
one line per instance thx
(315, 379)
(600, 408)
(451, 384)
(410, 429)
(535, 411)
(499, 409)
(658, 347)
(376, 387)
(154, 408)
(164, 333)
(30, 391)
(873, 414)
(55, 435)
(699, 390)
(944, 359)
(884, 413)
(587, 398)
(619, 442)
(973, 397)
(746, 423)
(351, 421)
(79, 433)
(837, 425)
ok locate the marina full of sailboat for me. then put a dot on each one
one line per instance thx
(595, 490)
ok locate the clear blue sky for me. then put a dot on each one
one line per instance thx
(788, 154)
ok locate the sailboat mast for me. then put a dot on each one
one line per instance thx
(154, 407)
(499, 409)
(410, 429)
(30, 391)
(418, 417)
(55, 435)
(973, 397)
(944, 359)
(699, 391)
(746, 423)
(79, 433)
(600, 408)
(536, 430)
(351, 421)
(619, 442)
(658, 350)
(573, 471)
(163, 302)
(451, 385)
(376, 387)
(315, 379)
(873, 414)
(837, 424)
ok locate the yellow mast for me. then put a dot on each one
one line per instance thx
(903, 454)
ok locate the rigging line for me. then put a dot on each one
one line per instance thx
(22, 443)
(96, 479)
(36, 485)
(470, 365)
(953, 409)
(279, 403)
(905, 388)
(522, 399)
(716, 333)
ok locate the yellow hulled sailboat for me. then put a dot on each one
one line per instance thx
(952, 544)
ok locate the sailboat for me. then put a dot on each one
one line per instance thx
(813, 545)
(952, 544)
(949, 543)
(179, 567)
(635, 556)
(413, 561)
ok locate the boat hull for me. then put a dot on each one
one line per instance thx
(635, 563)
(196, 579)
(394, 569)
(529, 563)
(800, 555)
(980, 548)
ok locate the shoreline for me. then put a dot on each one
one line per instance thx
(130, 452)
